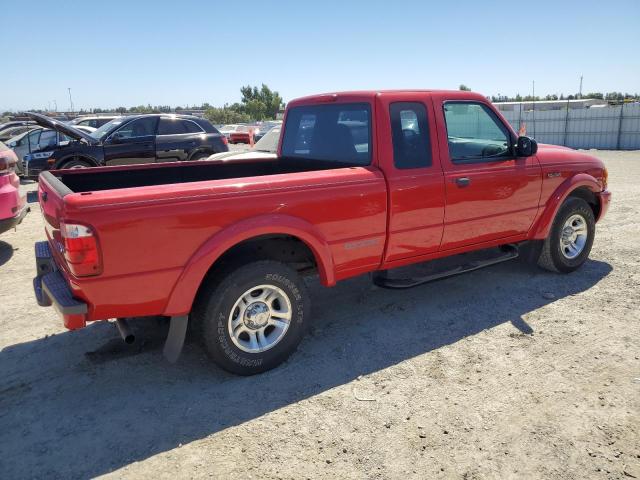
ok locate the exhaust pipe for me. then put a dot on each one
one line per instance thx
(125, 331)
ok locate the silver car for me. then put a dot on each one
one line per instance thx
(32, 141)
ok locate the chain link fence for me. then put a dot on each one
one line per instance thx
(613, 127)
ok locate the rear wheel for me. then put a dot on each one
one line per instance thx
(571, 237)
(199, 156)
(254, 319)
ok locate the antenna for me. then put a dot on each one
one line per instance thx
(534, 108)
(580, 92)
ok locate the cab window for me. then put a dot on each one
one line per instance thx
(410, 134)
(337, 133)
(474, 133)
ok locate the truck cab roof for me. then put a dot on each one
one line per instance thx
(369, 95)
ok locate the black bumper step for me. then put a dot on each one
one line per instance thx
(467, 264)
(44, 260)
(50, 287)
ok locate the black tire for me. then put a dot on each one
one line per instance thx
(551, 257)
(76, 163)
(217, 299)
(199, 156)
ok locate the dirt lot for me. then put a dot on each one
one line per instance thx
(507, 372)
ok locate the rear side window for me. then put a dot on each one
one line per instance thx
(410, 132)
(192, 127)
(174, 126)
(170, 126)
(339, 133)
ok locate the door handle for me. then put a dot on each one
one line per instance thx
(463, 181)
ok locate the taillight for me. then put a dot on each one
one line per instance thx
(81, 249)
(225, 140)
(7, 165)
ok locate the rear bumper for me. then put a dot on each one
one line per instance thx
(34, 167)
(51, 288)
(9, 223)
(605, 200)
(240, 139)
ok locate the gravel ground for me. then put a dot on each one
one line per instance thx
(507, 372)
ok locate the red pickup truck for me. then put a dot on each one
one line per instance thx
(363, 182)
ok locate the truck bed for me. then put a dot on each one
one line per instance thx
(108, 178)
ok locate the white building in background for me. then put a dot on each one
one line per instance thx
(542, 105)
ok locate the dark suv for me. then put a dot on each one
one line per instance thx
(127, 140)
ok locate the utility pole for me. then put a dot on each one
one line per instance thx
(55, 103)
(70, 101)
(580, 92)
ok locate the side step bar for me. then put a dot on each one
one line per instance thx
(381, 279)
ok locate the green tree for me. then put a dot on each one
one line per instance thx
(262, 103)
(464, 88)
(226, 114)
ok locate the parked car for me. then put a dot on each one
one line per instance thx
(15, 123)
(86, 128)
(264, 128)
(35, 140)
(95, 121)
(128, 140)
(242, 134)
(382, 180)
(13, 204)
(227, 130)
(11, 132)
(265, 148)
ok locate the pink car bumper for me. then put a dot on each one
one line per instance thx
(13, 205)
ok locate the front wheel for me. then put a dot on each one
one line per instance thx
(569, 242)
(75, 163)
(254, 319)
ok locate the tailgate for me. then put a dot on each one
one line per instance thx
(51, 193)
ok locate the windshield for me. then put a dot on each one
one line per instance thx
(229, 127)
(269, 143)
(106, 128)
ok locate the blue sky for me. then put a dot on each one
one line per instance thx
(186, 52)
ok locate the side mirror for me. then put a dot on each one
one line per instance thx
(116, 138)
(526, 147)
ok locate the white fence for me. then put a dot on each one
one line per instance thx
(611, 128)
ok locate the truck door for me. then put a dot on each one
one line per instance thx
(490, 193)
(414, 176)
(134, 142)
